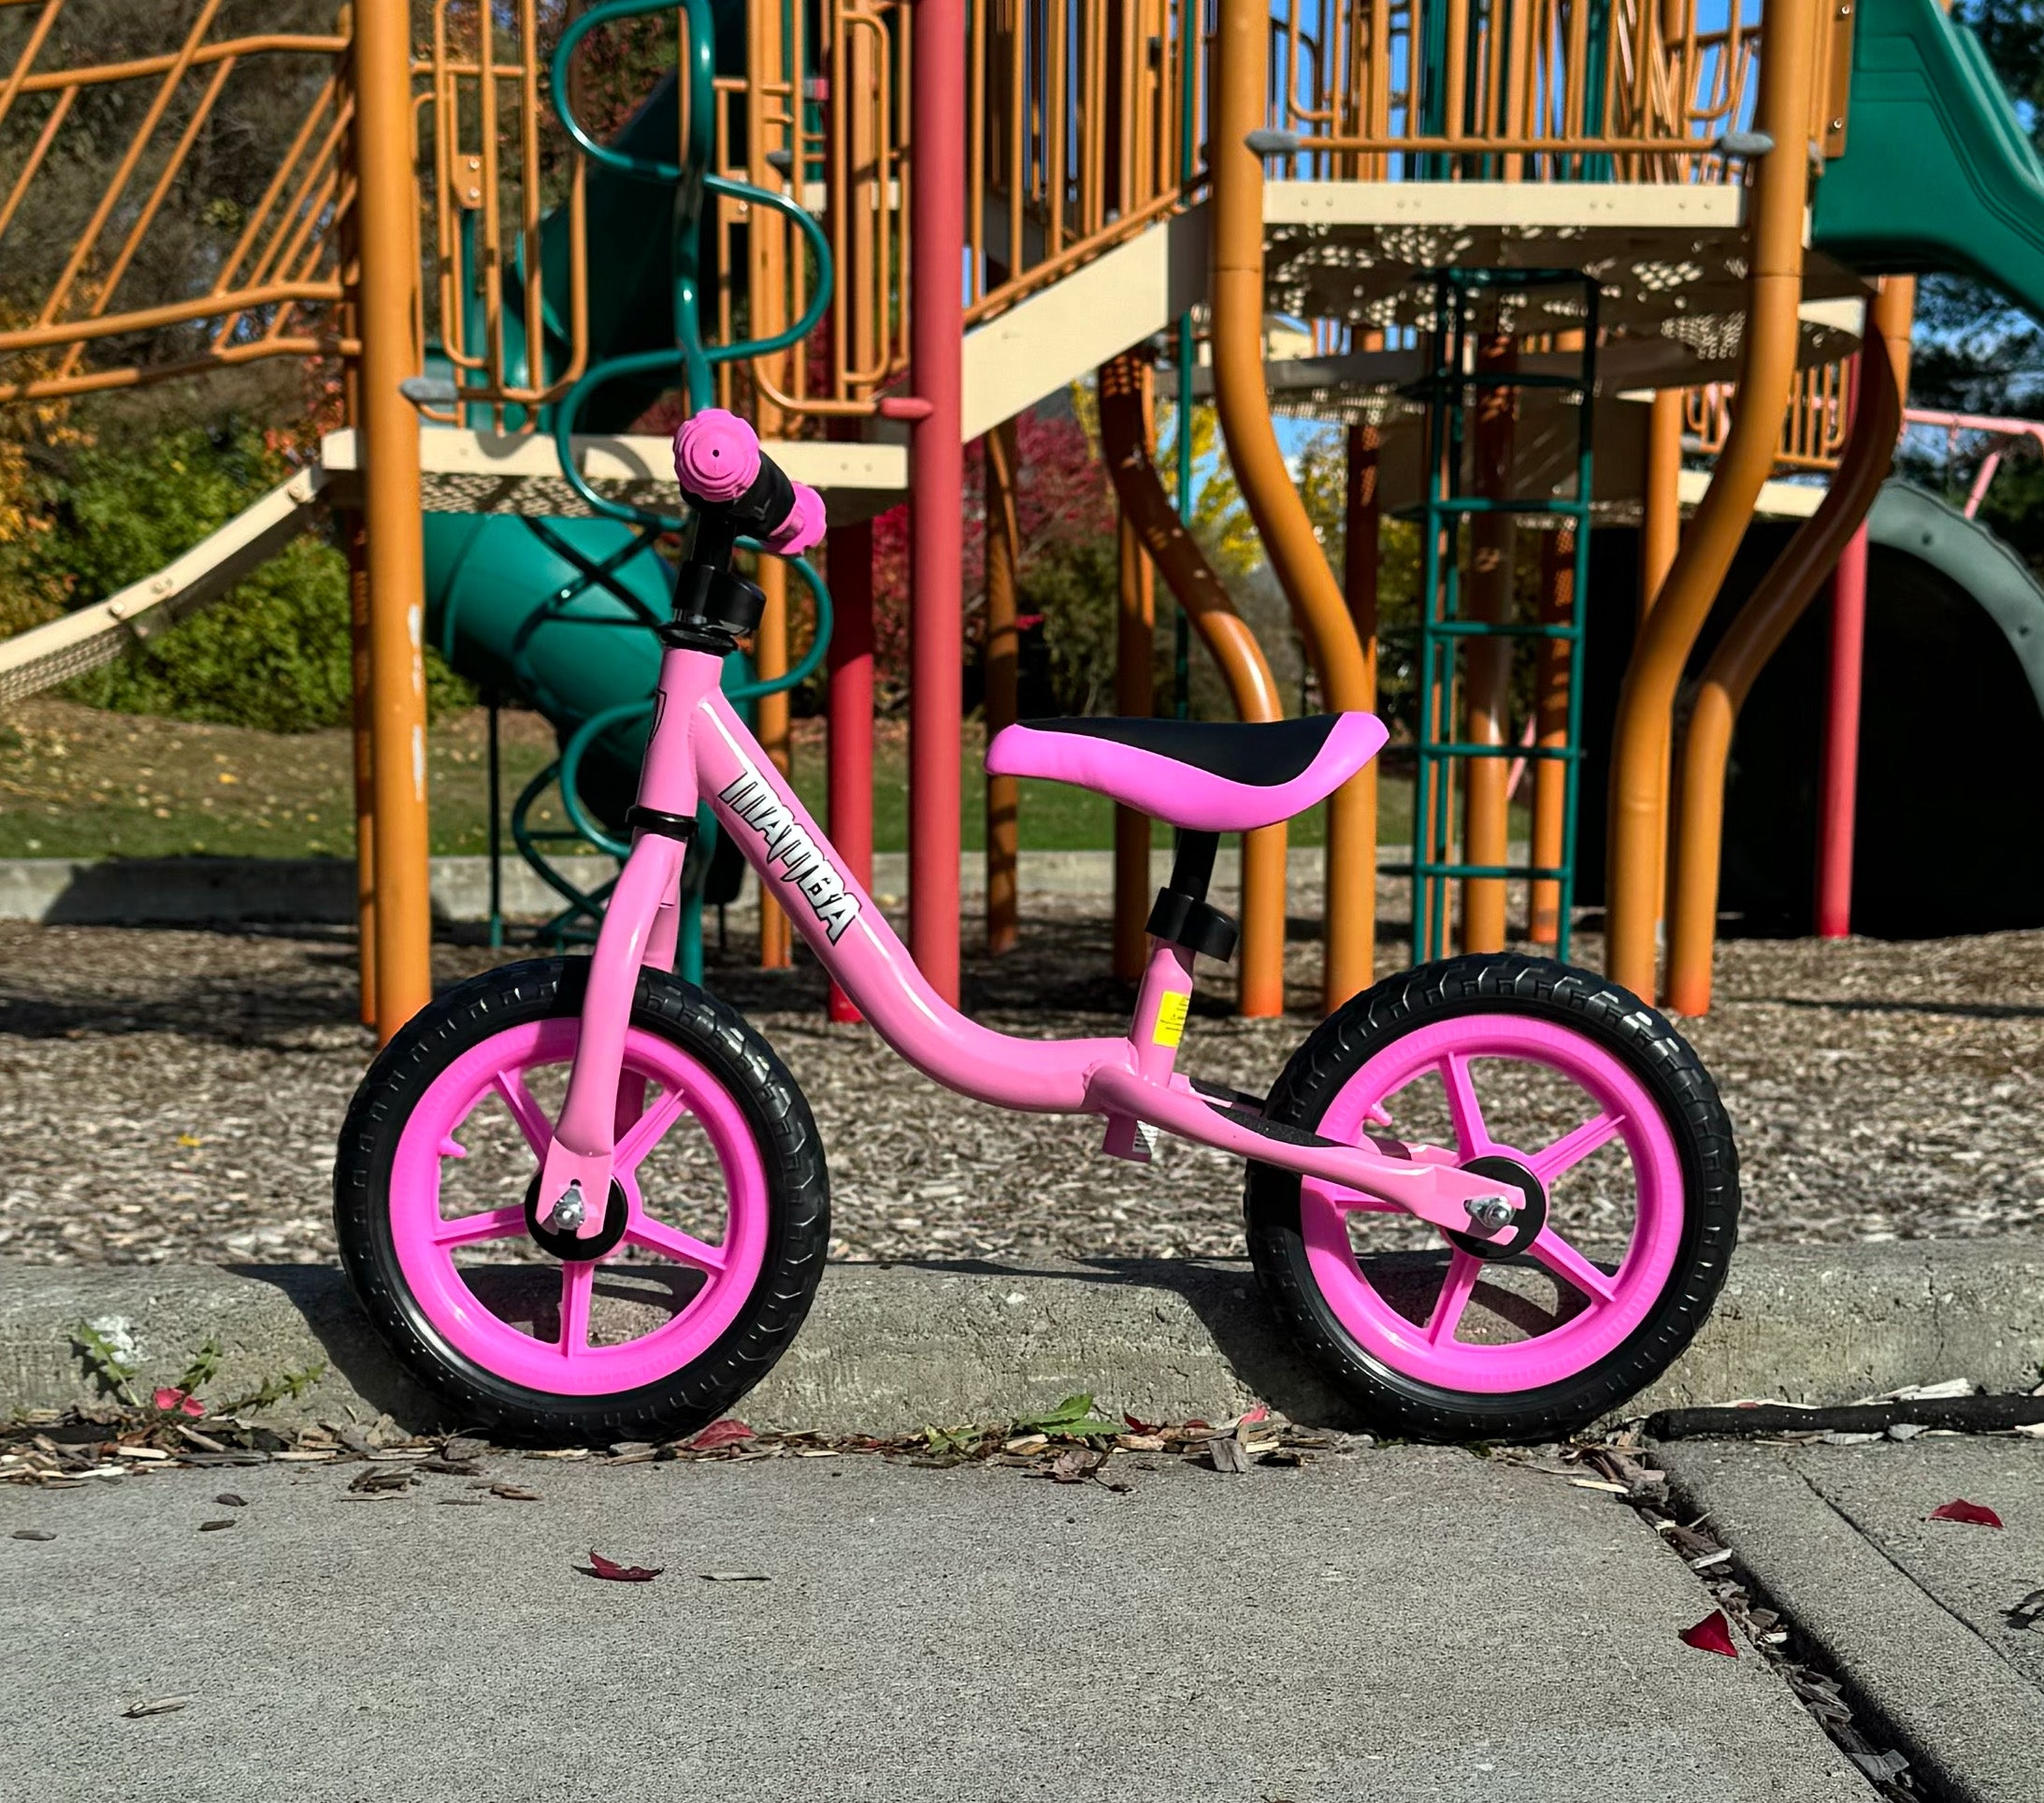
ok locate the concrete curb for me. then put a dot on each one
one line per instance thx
(321, 891)
(890, 1348)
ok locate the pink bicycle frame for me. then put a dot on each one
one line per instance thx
(699, 747)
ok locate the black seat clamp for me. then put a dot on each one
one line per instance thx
(1180, 919)
(642, 819)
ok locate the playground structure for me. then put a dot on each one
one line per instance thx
(1531, 252)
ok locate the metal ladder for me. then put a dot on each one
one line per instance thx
(1443, 631)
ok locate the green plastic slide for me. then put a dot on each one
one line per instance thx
(1938, 173)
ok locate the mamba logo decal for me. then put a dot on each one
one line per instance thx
(789, 846)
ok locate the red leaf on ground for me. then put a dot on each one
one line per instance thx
(598, 1567)
(175, 1402)
(728, 1432)
(1712, 1634)
(1975, 1514)
(1141, 1427)
(1261, 1412)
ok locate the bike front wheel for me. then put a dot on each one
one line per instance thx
(714, 1238)
(1564, 1085)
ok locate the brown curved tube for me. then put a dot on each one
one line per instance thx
(1233, 647)
(1756, 634)
(1240, 67)
(1766, 367)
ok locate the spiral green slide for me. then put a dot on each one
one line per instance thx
(556, 613)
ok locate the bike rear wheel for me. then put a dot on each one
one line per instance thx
(714, 1237)
(1565, 1085)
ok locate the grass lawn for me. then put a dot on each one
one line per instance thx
(77, 782)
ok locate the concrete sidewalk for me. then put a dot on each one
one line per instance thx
(1409, 1623)
(891, 1347)
(1915, 1614)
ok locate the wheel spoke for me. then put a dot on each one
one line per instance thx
(647, 1130)
(577, 1282)
(492, 1223)
(1463, 1271)
(670, 1243)
(1470, 1135)
(1573, 1268)
(1574, 1148)
(531, 1116)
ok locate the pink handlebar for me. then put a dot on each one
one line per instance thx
(804, 526)
(717, 459)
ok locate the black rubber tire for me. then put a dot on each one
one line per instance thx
(799, 1202)
(1621, 1024)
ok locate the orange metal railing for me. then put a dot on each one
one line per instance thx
(1813, 430)
(1526, 93)
(275, 284)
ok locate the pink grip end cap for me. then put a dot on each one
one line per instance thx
(804, 526)
(716, 456)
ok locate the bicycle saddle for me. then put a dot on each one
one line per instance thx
(1204, 776)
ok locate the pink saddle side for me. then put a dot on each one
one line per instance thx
(1180, 791)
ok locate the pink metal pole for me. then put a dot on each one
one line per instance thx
(850, 663)
(1839, 795)
(936, 487)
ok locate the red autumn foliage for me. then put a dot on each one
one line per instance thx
(1063, 497)
(1712, 1634)
(730, 1431)
(1973, 1514)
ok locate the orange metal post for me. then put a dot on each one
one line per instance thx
(1235, 652)
(1661, 511)
(1241, 73)
(387, 206)
(1550, 727)
(1362, 521)
(1660, 537)
(1004, 793)
(356, 541)
(1488, 662)
(1755, 636)
(1766, 367)
(1135, 638)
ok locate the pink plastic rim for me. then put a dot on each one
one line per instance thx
(426, 1243)
(716, 456)
(1616, 1302)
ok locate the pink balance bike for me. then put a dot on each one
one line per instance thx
(584, 1200)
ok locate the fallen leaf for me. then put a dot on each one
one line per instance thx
(34, 1534)
(732, 1577)
(214, 1527)
(1261, 1412)
(173, 1401)
(514, 1493)
(598, 1567)
(155, 1705)
(1712, 1634)
(1143, 1427)
(227, 1499)
(1073, 1466)
(1973, 1514)
(728, 1432)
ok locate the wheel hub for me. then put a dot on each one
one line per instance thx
(1526, 1223)
(561, 1241)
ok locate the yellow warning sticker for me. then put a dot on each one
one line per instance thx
(1170, 1018)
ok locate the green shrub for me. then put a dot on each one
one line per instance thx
(273, 653)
